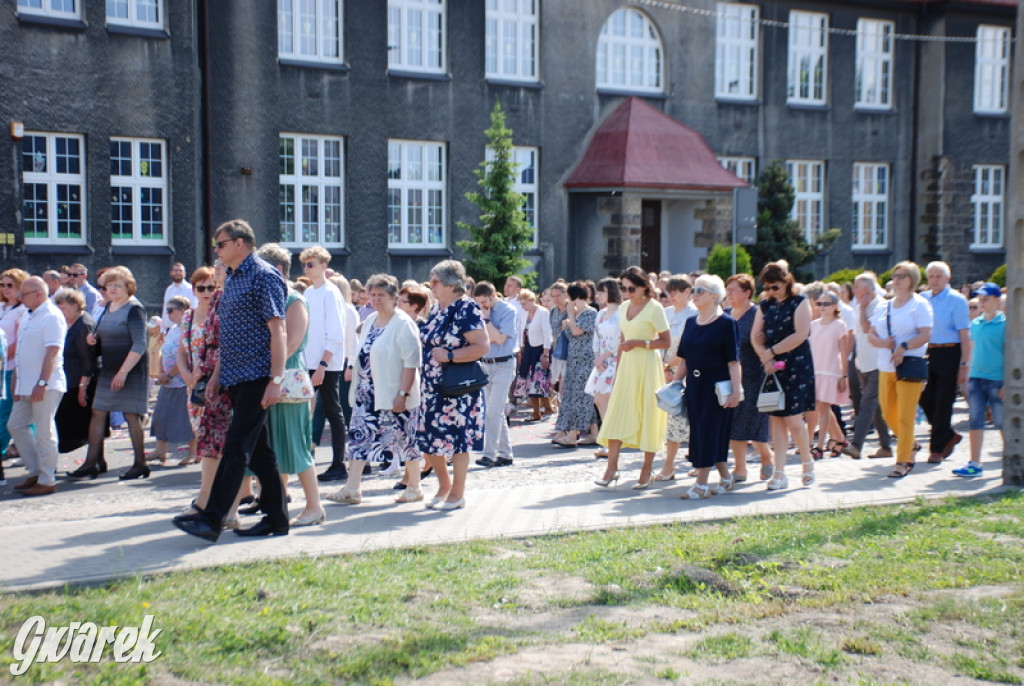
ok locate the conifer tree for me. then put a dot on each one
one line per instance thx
(778, 236)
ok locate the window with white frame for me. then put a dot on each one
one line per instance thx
(510, 40)
(416, 35)
(873, 87)
(807, 74)
(309, 30)
(736, 48)
(312, 197)
(53, 182)
(416, 194)
(808, 180)
(743, 167)
(58, 9)
(525, 161)
(992, 70)
(629, 53)
(988, 205)
(870, 205)
(146, 14)
(138, 191)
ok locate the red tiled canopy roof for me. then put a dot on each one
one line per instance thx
(639, 147)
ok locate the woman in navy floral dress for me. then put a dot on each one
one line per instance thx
(450, 427)
(781, 328)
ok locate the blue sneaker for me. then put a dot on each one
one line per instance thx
(968, 470)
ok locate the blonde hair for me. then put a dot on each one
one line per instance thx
(119, 273)
(316, 252)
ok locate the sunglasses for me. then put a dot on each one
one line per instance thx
(773, 288)
(8, 285)
(203, 289)
(629, 289)
(219, 245)
(309, 265)
(825, 303)
(700, 290)
(75, 274)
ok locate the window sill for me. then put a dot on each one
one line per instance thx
(419, 252)
(987, 249)
(312, 64)
(137, 31)
(56, 249)
(870, 109)
(731, 100)
(419, 75)
(992, 115)
(514, 83)
(624, 93)
(871, 250)
(808, 107)
(140, 250)
(336, 251)
(59, 22)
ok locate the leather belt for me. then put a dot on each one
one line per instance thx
(943, 345)
(496, 360)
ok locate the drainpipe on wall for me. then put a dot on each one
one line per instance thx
(204, 106)
(914, 142)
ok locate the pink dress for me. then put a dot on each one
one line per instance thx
(827, 361)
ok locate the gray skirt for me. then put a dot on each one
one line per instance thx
(170, 416)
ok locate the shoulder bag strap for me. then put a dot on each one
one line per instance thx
(888, 317)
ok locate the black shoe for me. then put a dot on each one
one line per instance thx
(367, 470)
(251, 509)
(190, 516)
(263, 528)
(486, 462)
(244, 501)
(135, 473)
(198, 527)
(84, 473)
(399, 487)
(333, 474)
(503, 462)
(426, 472)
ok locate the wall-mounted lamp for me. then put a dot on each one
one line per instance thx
(17, 130)
(246, 171)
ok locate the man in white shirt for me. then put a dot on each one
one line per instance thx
(501, 322)
(179, 286)
(867, 299)
(325, 350)
(38, 386)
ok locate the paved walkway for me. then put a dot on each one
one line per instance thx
(96, 530)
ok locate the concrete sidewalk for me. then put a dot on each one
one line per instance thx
(94, 531)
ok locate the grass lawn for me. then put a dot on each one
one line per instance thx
(919, 593)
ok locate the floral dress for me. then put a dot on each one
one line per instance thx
(448, 426)
(577, 411)
(797, 378)
(201, 341)
(606, 340)
(379, 435)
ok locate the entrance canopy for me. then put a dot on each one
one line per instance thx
(639, 147)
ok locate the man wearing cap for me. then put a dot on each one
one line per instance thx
(949, 356)
(985, 381)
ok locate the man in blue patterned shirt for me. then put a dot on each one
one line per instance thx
(252, 357)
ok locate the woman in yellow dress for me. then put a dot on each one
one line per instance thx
(634, 419)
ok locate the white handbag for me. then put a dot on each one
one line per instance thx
(771, 401)
(723, 389)
(671, 399)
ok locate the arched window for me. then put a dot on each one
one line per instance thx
(629, 53)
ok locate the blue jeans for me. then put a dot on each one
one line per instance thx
(983, 393)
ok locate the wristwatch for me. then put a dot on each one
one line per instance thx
(404, 394)
(42, 383)
(451, 355)
(647, 344)
(322, 363)
(278, 380)
(904, 345)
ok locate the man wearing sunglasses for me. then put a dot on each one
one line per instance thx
(78, 278)
(179, 286)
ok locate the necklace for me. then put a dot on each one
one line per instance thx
(708, 320)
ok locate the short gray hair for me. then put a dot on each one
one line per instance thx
(179, 302)
(384, 282)
(237, 228)
(941, 266)
(277, 255)
(713, 284)
(867, 279)
(450, 273)
(813, 290)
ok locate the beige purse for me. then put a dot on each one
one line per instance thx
(771, 401)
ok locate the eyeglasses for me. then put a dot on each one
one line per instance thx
(115, 284)
(700, 290)
(900, 275)
(172, 309)
(774, 287)
(403, 301)
(203, 289)
(24, 293)
(219, 245)
(8, 285)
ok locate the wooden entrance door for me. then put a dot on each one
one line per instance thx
(650, 235)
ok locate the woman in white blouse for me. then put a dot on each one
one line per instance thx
(606, 348)
(533, 378)
(901, 329)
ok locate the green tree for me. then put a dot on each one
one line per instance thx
(720, 261)
(999, 277)
(497, 244)
(778, 236)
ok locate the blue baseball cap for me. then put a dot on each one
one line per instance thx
(989, 289)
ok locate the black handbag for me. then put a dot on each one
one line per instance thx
(198, 397)
(911, 368)
(460, 378)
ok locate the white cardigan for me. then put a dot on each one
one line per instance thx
(396, 349)
(538, 331)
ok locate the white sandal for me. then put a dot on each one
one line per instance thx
(697, 492)
(778, 483)
(725, 485)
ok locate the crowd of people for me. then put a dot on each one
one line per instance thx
(415, 377)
